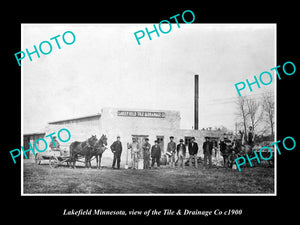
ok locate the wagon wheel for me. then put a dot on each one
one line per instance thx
(37, 159)
(53, 162)
(65, 160)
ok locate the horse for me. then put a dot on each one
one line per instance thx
(242, 147)
(225, 152)
(84, 148)
(99, 149)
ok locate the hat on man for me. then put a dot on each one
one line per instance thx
(146, 139)
(181, 140)
(193, 138)
(171, 137)
(118, 136)
(156, 141)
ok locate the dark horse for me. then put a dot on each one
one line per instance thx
(99, 148)
(225, 150)
(242, 148)
(84, 148)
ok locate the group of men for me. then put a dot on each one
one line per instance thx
(145, 152)
(153, 153)
(231, 148)
(180, 151)
(175, 152)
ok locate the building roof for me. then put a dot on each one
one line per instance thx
(74, 119)
(36, 133)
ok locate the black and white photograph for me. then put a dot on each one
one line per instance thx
(163, 117)
(145, 113)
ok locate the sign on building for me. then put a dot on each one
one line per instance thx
(142, 114)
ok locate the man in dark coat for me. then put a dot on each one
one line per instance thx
(250, 137)
(207, 150)
(224, 152)
(155, 154)
(181, 150)
(193, 150)
(116, 148)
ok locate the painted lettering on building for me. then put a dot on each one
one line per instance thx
(142, 114)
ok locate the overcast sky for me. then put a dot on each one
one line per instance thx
(105, 67)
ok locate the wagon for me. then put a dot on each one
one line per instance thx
(55, 157)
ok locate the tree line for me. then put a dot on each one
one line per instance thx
(256, 112)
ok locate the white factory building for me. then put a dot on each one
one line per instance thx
(127, 123)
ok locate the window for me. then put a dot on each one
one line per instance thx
(160, 140)
(140, 138)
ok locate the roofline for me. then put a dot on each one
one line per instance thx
(77, 118)
(30, 134)
(140, 109)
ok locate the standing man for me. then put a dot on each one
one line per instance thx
(181, 150)
(146, 153)
(224, 149)
(116, 148)
(193, 151)
(250, 137)
(171, 150)
(207, 150)
(155, 154)
(135, 153)
(231, 160)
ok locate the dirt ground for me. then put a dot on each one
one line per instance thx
(64, 180)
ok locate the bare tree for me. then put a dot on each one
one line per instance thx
(242, 113)
(254, 112)
(268, 109)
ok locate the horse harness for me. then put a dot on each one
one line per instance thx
(87, 145)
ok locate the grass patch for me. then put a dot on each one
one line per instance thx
(42, 179)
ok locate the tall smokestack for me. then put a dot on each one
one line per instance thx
(196, 103)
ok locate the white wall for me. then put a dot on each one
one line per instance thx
(113, 125)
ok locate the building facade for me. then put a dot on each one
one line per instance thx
(128, 123)
(30, 138)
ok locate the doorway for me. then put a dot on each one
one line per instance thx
(187, 140)
(160, 140)
(26, 140)
(140, 138)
